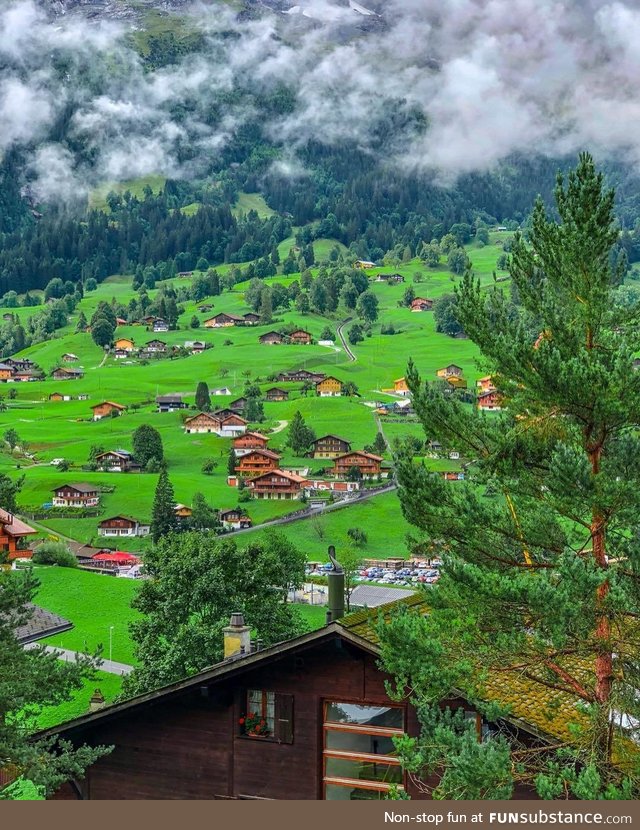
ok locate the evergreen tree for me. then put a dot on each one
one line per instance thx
(540, 583)
(367, 307)
(266, 307)
(203, 398)
(300, 435)
(147, 444)
(254, 412)
(163, 516)
(82, 322)
(102, 332)
(231, 463)
(203, 516)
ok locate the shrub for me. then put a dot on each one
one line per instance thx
(54, 553)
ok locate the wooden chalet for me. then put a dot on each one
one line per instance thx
(421, 304)
(170, 403)
(248, 441)
(227, 423)
(160, 325)
(367, 463)
(490, 400)
(195, 345)
(329, 446)
(251, 319)
(223, 320)
(299, 375)
(182, 512)
(125, 344)
(276, 395)
(68, 357)
(120, 321)
(364, 264)
(12, 533)
(5, 371)
(117, 461)
(277, 484)
(118, 526)
(271, 338)
(300, 337)
(107, 409)
(121, 354)
(257, 462)
(76, 495)
(238, 405)
(400, 387)
(58, 396)
(450, 371)
(234, 519)
(155, 346)
(329, 387)
(328, 722)
(62, 373)
(20, 364)
(201, 423)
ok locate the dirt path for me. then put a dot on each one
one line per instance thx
(281, 425)
(345, 345)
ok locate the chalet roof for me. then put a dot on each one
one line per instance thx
(42, 623)
(108, 403)
(120, 516)
(292, 477)
(120, 453)
(328, 377)
(208, 415)
(331, 435)
(169, 398)
(223, 513)
(276, 389)
(250, 434)
(264, 453)
(4, 366)
(14, 526)
(83, 487)
(361, 453)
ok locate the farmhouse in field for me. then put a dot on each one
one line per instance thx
(450, 371)
(12, 533)
(366, 463)
(68, 357)
(124, 344)
(277, 484)
(400, 387)
(329, 446)
(299, 375)
(329, 387)
(421, 304)
(223, 320)
(160, 325)
(256, 462)
(195, 346)
(171, 403)
(58, 396)
(120, 525)
(155, 346)
(62, 373)
(203, 422)
(234, 519)
(271, 338)
(300, 337)
(365, 264)
(117, 461)
(249, 441)
(107, 409)
(276, 394)
(251, 319)
(224, 423)
(76, 495)
(238, 405)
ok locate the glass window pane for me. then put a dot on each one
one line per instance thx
(359, 742)
(365, 715)
(363, 770)
(254, 702)
(335, 793)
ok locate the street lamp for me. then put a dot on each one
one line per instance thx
(110, 642)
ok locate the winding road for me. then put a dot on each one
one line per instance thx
(345, 345)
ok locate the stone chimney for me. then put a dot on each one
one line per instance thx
(97, 701)
(237, 637)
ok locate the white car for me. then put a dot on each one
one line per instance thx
(56, 461)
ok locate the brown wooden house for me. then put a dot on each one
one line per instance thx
(119, 526)
(300, 337)
(248, 441)
(305, 719)
(239, 405)
(76, 495)
(62, 373)
(329, 387)
(366, 462)
(107, 409)
(329, 446)
(490, 401)
(234, 519)
(271, 338)
(257, 462)
(202, 422)
(251, 319)
(276, 394)
(223, 320)
(117, 461)
(277, 484)
(421, 304)
(299, 375)
(450, 371)
(12, 533)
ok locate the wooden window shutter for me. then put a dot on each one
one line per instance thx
(284, 718)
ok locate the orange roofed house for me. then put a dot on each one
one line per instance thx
(249, 441)
(107, 408)
(485, 384)
(400, 387)
(256, 462)
(366, 462)
(12, 531)
(277, 484)
(124, 344)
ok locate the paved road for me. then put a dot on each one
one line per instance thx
(345, 345)
(109, 666)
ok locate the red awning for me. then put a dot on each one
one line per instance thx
(119, 557)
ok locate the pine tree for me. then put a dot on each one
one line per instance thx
(540, 581)
(231, 463)
(147, 444)
(300, 435)
(163, 517)
(266, 306)
(203, 398)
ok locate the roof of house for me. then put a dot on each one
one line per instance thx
(362, 453)
(331, 435)
(120, 453)
(250, 434)
(14, 526)
(223, 513)
(328, 377)
(208, 415)
(120, 516)
(264, 453)
(169, 398)
(108, 403)
(83, 487)
(42, 623)
(295, 479)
